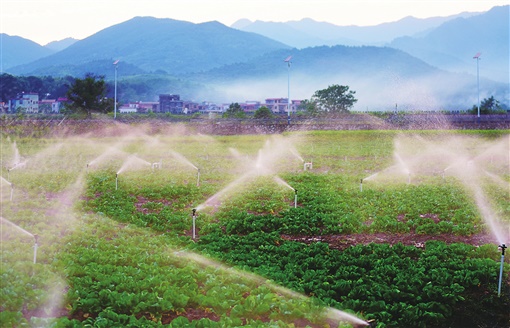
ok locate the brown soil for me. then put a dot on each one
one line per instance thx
(408, 239)
(191, 314)
(141, 201)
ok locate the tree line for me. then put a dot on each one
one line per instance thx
(47, 87)
(93, 94)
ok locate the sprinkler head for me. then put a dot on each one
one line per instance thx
(295, 191)
(116, 175)
(36, 237)
(194, 211)
(502, 247)
(361, 181)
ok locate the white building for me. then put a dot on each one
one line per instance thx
(26, 102)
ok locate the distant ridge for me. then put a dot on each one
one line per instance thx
(17, 50)
(312, 33)
(61, 44)
(451, 46)
(152, 44)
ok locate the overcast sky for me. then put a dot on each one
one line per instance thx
(44, 21)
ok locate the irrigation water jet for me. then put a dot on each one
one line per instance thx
(296, 154)
(329, 313)
(182, 159)
(501, 247)
(214, 200)
(36, 237)
(133, 161)
(16, 226)
(283, 183)
(194, 216)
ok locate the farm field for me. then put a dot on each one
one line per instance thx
(317, 229)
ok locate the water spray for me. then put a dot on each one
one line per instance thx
(194, 216)
(116, 181)
(20, 229)
(295, 198)
(36, 238)
(501, 247)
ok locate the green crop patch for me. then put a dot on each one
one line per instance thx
(318, 229)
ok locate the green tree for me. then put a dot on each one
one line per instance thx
(309, 108)
(334, 99)
(234, 111)
(263, 113)
(487, 106)
(88, 95)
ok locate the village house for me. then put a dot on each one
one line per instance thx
(250, 106)
(58, 105)
(170, 104)
(279, 105)
(25, 102)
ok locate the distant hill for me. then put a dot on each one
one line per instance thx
(163, 45)
(17, 50)
(310, 33)
(61, 44)
(452, 45)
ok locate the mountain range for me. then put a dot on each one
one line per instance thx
(424, 63)
(309, 33)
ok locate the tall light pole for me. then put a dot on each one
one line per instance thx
(115, 63)
(287, 60)
(477, 57)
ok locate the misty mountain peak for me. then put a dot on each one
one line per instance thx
(241, 23)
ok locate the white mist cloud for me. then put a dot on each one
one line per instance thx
(381, 91)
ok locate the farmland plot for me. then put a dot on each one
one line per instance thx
(399, 229)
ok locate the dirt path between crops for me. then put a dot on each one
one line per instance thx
(343, 241)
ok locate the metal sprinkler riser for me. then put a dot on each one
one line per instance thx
(194, 216)
(502, 247)
(36, 238)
